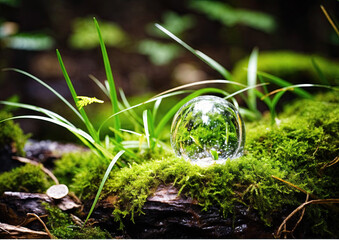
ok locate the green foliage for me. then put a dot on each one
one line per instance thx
(174, 22)
(159, 53)
(290, 66)
(29, 41)
(229, 16)
(28, 178)
(11, 134)
(85, 36)
(61, 226)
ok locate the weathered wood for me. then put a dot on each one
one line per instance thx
(169, 215)
(15, 205)
(10, 231)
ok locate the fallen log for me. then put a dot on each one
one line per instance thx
(169, 215)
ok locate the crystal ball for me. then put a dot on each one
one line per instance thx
(208, 130)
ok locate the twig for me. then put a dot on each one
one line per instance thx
(329, 19)
(302, 215)
(18, 232)
(43, 224)
(28, 220)
(296, 187)
(276, 91)
(45, 170)
(302, 206)
(334, 161)
(5, 230)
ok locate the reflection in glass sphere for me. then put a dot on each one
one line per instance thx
(208, 130)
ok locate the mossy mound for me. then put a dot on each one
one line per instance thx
(62, 226)
(290, 66)
(11, 134)
(28, 178)
(298, 151)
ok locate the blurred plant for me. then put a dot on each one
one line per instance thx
(230, 16)
(85, 37)
(177, 24)
(11, 3)
(253, 112)
(11, 37)
(161, 53)
(286, 64)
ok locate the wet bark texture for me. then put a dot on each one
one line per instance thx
(167, 215)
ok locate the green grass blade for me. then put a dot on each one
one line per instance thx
(147, 134)
(174, 109)
(47, 112)
(169, 93)
(127, 105)
(282, 83)
(248, 114)
(214, 65)
(153, 99)
(130, 154)
(149, 128)
(320, 73)
(134, 145)
(245, 89)
(298, 86)
(109, 169)
(109, 75)
(100, 85)
(49, 88)
(275, 100)
(156, 107)
(57, 122)
(75, 99)
(252, 79)
(131, 132)
(209, 61)
(264, 86)
(197, 84)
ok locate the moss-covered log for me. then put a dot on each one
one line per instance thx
(281, 165)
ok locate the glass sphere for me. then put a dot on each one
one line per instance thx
(208, 130)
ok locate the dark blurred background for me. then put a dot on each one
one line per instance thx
(143, 60)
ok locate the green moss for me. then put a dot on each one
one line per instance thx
(289, 66)
(11, 133)
(28, 178)
(72, 163)
(61, 226)
(83, 171)
(296, 150)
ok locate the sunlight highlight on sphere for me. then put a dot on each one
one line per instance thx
(208, 130)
